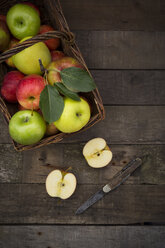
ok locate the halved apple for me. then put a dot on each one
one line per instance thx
(97, 153)
(60, 184)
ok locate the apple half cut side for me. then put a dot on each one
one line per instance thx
(60, 184)
(97, 153)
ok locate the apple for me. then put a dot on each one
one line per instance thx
(3, 18)
(29, 90)
(60, 184)
(4, 36)
(27, 127)
(65, 62)
(23, 20)
(13, 43)
(52, 44)
(74, 116)
(27, 61)
(97, 153)
(10, 82)
(33, 6)
(51, 129)
(57, 55)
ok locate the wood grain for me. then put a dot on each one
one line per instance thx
(34, 166)
(122, 125)
(131, 87)
(80, 236)
(122, 49)
(129, 204)
(115, 15)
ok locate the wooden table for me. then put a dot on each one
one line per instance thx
(123, 43)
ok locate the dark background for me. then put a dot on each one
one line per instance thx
(123, 43)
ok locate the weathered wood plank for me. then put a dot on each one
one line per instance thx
(122, 49)
(29, 203)
(115, 15)
(131, 87)
(37, 164)
(122, 125)
(10, 164)
(81, 236)
(34, 166)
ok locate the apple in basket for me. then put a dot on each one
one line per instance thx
(4, 36)
(9, 85)
(57, 55)
(27, 61)
(27, 127)
(29, 90)
(52, 44)
(23, 20)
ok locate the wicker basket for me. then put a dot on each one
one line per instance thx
(53, 10)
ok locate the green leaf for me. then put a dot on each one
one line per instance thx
(51, 104)
(64, 91)
(77, 79)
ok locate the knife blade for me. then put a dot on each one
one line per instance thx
(115, 182)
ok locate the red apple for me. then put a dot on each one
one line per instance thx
(4, 36)
(10, 82)
(3, 18)
(52, 44)
(29, 90)
(13, 43)
(57, 55)
(33, 6)
(51, 129)
(65, 62)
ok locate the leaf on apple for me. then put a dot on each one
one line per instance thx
(66, 92)
(77, 79)
(51, 104)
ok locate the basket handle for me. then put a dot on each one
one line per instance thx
(68, 38)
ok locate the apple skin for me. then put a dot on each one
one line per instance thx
(51, 129)
(29, 90)
(3, 18)
(4, 36)
(27, 128)
(9, 86)
(74, 116)
(57, 55)
(27, 61)
(23, 20)
(9, 61)
(52, 44)
(33, 6)
(60, 64)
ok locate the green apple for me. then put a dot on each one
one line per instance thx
(23, 20)
(74, 116)
(4, 36)
(27, 127)
(27, 61)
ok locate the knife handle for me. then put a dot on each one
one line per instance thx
(122, 175)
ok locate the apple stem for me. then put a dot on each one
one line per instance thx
(42, 68)
(32, 109)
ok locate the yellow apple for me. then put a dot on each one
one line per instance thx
(27, 61)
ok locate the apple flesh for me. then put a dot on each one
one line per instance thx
(52, 44)
(60, 184)
(4, 36)
(65, 62)
(33, 6)
(74, 116)
(27, 127)
(29, 90)
(57, 55)
(97, 153)
(27, 61)
(13, 43)
(9, 86)
(23, 20)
